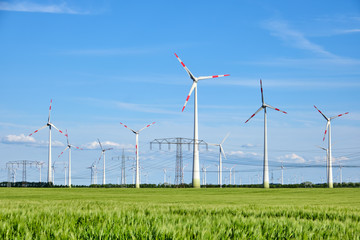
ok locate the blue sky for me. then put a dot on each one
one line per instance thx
(105, 62)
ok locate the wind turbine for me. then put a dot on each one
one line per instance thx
(328, 129)
(266, 162)
(221, 153)
(50, 125)
(196, 168)
(103, 154)
(69, 146)
(137, 151)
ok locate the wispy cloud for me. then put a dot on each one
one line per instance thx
(348, 31)
(26, 6)
(285, 83)
(110, 52)
(295, 38)
(145, 108)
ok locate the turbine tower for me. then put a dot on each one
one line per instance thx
(137, 151)
(50, 125)
(328, 129)
(266, 162)
(69, 146)
(103, 154)
(221, 153)
(196, 168)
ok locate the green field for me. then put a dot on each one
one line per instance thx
(179, 213)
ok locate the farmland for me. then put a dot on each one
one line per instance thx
(179, 213)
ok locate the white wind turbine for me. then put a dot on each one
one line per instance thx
(69, 146)
(221, 153)
(137, 182)
(328, 129)
(103, 150)
(196, 168)
(50, 125)
(266, 162)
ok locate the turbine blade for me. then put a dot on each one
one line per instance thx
(100, 157)
(38, 130)
(186, 69)
(321, 148)
(108, 149)
(267, 105)
(255, 113)
(223, 152)
(214, 76)
(191, 90)
(227, 135)
(147, 126)
(327, 127)
(321, 113)
(262, 93)
(339, 115)
(63, 151)
(127, 127)
(67, 137)
(56, 128)
(100, 144)
(213, 144)
(49, 110)
(76, 147)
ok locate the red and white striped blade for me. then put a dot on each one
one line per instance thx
(56, 128)
(146, 126)
(67, 137)
(254, 114)
(63, 151)
(326, 129)
(214, 76)
(127, 127)
(76, 147)
(191, 90)
(321, 113)
(49, 110)
(38, 130)
(262, 92)
(186, 69)
(276, 109)
(339, 115)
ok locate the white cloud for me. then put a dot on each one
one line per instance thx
(339, 159)
(26, 6)
(106, 144)
(27, 140)
(242, 154)
(13, 139)
(248, 145)
(292, 158)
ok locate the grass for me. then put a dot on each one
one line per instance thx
(179, 213)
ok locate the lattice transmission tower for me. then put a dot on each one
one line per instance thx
(179, 142)
(12, 166)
